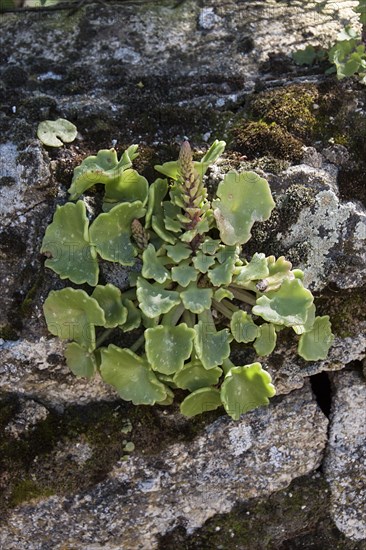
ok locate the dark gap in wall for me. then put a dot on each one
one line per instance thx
(321, 387)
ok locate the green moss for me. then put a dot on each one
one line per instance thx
(27, 490)
(255, 139)
(292, 107)
(7, 332)
(345, 308)
(26, 304)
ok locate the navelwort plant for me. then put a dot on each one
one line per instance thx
(195, 293)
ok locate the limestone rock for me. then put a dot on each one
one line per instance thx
(29, 415)
(185, 484)
(345, 461)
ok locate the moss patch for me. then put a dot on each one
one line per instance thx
(345, 308)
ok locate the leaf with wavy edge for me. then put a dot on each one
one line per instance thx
(168, 347)
(178, 252)
(246, 388)
(314, 345)
(279, 270)
(129, 187)
(101, 168)
(184, 274)
(256, 269)
(200, 401)
(109, 298)
(222, 293)
(71, 315)
(67, 242)
(196, 299)
(242, 200)
(221, 274)
(110, 233)
(131, 376)
(202, 262)
(300, 329)
(243, 327)
(212, 347)
(266, 340)
(154, 300)
(49, 132)
(194, 376)
(157, 191)
(152, 265)
(287, 306)
(81, 362)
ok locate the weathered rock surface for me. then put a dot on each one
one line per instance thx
(345, 461)
(147, 496)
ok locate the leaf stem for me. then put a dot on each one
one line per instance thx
(222, 309)
(189, 318)
(171, 318)
(103, 336)
(137, 345)
(227, 365)
(243, 295)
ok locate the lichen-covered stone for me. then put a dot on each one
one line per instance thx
(185, 484)
(29, 414)
(345, 460)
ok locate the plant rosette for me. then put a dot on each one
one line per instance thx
(192, 268)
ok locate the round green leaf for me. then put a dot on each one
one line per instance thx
(67, 244)
(256, 269)
(196, 299)
(154, 299)
(194, 376)
(71, 315)
(288, 306)
(222, 274)
(314, 345)
(102, 168)
(242, 199)
(246, 388)
(111, 233)
(266, 340)
(178, 252)
(243, 327)
(211, 347)
(51, 132)
(168, 347)
(129, 187)
(133, 316)
(131, 376)
(81, 362)
(109, 298)
(184, 274)
(200, 401)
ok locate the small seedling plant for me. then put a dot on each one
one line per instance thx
(193, 294)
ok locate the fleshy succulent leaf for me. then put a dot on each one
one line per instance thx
(157, 192)
(210, 246)
(184, 274)
(243, 327)
(111, 232)
(129, 187)
(196, 299)
(154, 299)
(246, 388)
(102, 168)
(80, 361)
(203, 262)
(256, 269)
(200, 401)
(222, 274)
(54, 132)
(266, 340)
(222, 293)
(67, 243)
(211, 347)
(168, 347)
(194, 376)
(152, 266)
(133, 316)
(287, 306)
(300, 329)
(109, 298)
(242, 199)
(314, 345)
(72, 314)
(131, 376)
(178, 252)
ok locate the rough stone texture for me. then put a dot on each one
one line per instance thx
(38, 370)
(345, 461)
(30, 414)
(185, 485)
